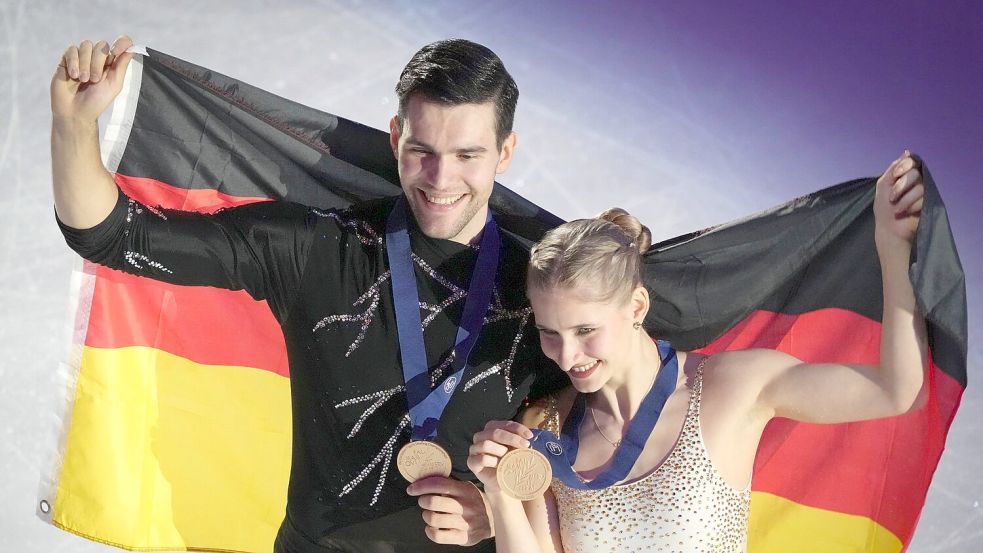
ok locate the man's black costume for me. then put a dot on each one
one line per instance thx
(325, 276)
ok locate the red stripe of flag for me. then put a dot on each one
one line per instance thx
(207, 325)
(156, 193)
(189, 321)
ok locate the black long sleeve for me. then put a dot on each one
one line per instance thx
(261, 248)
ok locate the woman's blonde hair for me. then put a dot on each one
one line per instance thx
(600, 256)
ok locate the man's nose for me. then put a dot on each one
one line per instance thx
(440, 172)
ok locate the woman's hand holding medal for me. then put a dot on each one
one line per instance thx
(502, 459)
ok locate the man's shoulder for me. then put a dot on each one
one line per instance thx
(373, 212)
(366, 220)
(514, 261)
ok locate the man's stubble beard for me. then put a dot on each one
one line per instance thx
(463, 221)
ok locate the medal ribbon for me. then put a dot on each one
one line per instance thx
(426, 404)
(562, 451)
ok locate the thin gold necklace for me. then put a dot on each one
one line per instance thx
(616, 444)
(601, 432)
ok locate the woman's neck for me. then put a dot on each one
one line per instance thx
(622, 394)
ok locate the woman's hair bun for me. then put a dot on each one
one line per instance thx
(637, 233)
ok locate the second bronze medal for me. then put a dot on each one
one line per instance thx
(422, 459)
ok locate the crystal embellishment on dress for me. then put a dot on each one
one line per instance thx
(683, 505)
(131, 206)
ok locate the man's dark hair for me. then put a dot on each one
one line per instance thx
(458, 71)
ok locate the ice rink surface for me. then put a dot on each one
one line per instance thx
(683, 124)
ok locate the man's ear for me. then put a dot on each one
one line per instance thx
(394, 135)
(505, 156)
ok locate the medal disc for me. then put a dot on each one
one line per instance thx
(524, 473)
(421, 459)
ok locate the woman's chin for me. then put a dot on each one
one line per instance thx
(584, 388)
(586, 385)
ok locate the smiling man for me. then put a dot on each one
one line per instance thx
(404, 319)
(448, 156)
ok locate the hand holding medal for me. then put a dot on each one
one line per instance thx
(501, 457)
(526, 471)
(454, 511)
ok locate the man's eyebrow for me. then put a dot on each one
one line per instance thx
(415, 142)
(463, 150)
(472, 150)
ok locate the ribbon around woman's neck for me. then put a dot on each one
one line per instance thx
(562, 451)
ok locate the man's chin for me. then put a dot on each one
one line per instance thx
(442, 230)
(444, 226)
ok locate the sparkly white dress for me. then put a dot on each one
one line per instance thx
(683, 506)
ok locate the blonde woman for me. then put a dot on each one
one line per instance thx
(659, 445)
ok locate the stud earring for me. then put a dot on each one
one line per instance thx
(637, 325)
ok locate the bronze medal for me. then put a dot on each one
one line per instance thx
(524, 473)
(420, 459)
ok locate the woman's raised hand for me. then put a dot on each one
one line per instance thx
(490, 444)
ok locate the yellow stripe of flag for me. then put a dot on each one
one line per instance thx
(148, 460)
(779, 525)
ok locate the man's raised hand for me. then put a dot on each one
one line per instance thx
(88, 77)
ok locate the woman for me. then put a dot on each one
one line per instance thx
(688, 488)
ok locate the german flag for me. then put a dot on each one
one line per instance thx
(804, 278)
(176, 421)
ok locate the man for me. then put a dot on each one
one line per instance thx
(328, 277)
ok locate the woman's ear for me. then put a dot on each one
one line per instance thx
(639, 303)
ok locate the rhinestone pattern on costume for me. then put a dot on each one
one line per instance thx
(370, 300)
(380, 398)
(384, 456)
(498, 312)
(457, 293)
(362, 230)
(683, 506)
(134, 258)
(438, 373)
(156, 211)
(365, 317)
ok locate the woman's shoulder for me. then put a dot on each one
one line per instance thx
(539, 413)
(737, 377)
